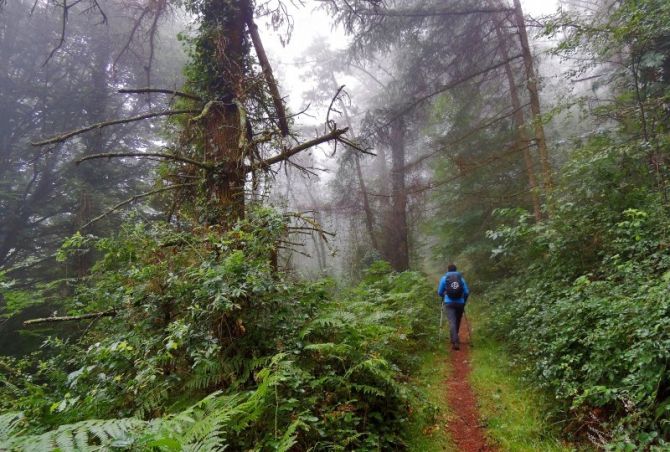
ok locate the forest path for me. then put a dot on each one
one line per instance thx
(464, 424)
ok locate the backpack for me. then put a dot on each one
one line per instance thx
(454, 286)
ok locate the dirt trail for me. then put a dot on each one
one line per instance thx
(464, 425)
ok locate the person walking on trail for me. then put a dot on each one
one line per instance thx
(454, 292)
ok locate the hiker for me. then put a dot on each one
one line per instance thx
(454, 291)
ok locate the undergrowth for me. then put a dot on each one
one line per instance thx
(585, 306)
(275, 364)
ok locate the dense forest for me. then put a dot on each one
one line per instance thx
(222, 222)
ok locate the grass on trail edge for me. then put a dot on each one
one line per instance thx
(431, 435)
(515, 416)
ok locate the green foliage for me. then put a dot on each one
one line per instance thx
(15, 300)
(581, 297)
(515, 413)
(587, 305)
(286, 365)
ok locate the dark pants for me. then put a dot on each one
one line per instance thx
(454, 313)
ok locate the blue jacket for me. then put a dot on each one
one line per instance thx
(442, 289)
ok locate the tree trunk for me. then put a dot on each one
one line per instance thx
(531, 80)
(224, 131)
(523, 141)
(319, 245)
(90, 175)
(369, 220)
(399, 246)
(226, 187)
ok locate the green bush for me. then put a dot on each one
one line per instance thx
(587, 307)
(275, 363)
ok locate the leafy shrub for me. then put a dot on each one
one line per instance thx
(277, 364)
(588, 312)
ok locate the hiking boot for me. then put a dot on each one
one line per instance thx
(455, 347)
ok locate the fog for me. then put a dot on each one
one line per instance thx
(424, 100)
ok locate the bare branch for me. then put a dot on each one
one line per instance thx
(159, 90)
(442, 89)
(369, 74)
(308, 230)
(135, 198)
(69, 318)
(152, 38)
(100, 125)
(131, 35)
(96, 5)
(287, 153)
(312, 225)
(355, 146)
(332, 101)
(145, 154)
(66, 9)
(429, 12)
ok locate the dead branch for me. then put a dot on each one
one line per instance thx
(429, 12)
(95, 5)
(409, 107)
(287, 153)
(205, 111)
(66, 9)
(312, 225)
(100, 125)
(308, 230)
(131, 35)
(330, 107)
(267, 72)
(135, 198)
(69, 318)
(478, 128)
(355, 146)
(145, 155)
(152, 38)
(159, 90)
(293, 250)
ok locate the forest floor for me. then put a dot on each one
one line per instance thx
(464, 425)
(484, 402)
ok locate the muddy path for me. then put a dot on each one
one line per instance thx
(464, 425)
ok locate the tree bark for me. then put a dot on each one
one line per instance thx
(267, 72)
(531, 81)
(523, 141)
(223, 126)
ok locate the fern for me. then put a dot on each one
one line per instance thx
(329, 348)
(289, 438)
(9, 423)
(206, 375)
(81, 436)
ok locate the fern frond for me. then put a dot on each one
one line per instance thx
(289, 438)
(82, 436)
(9, 422)
(328, 323)
(329, 348)
(367, 390)
(378, 367)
